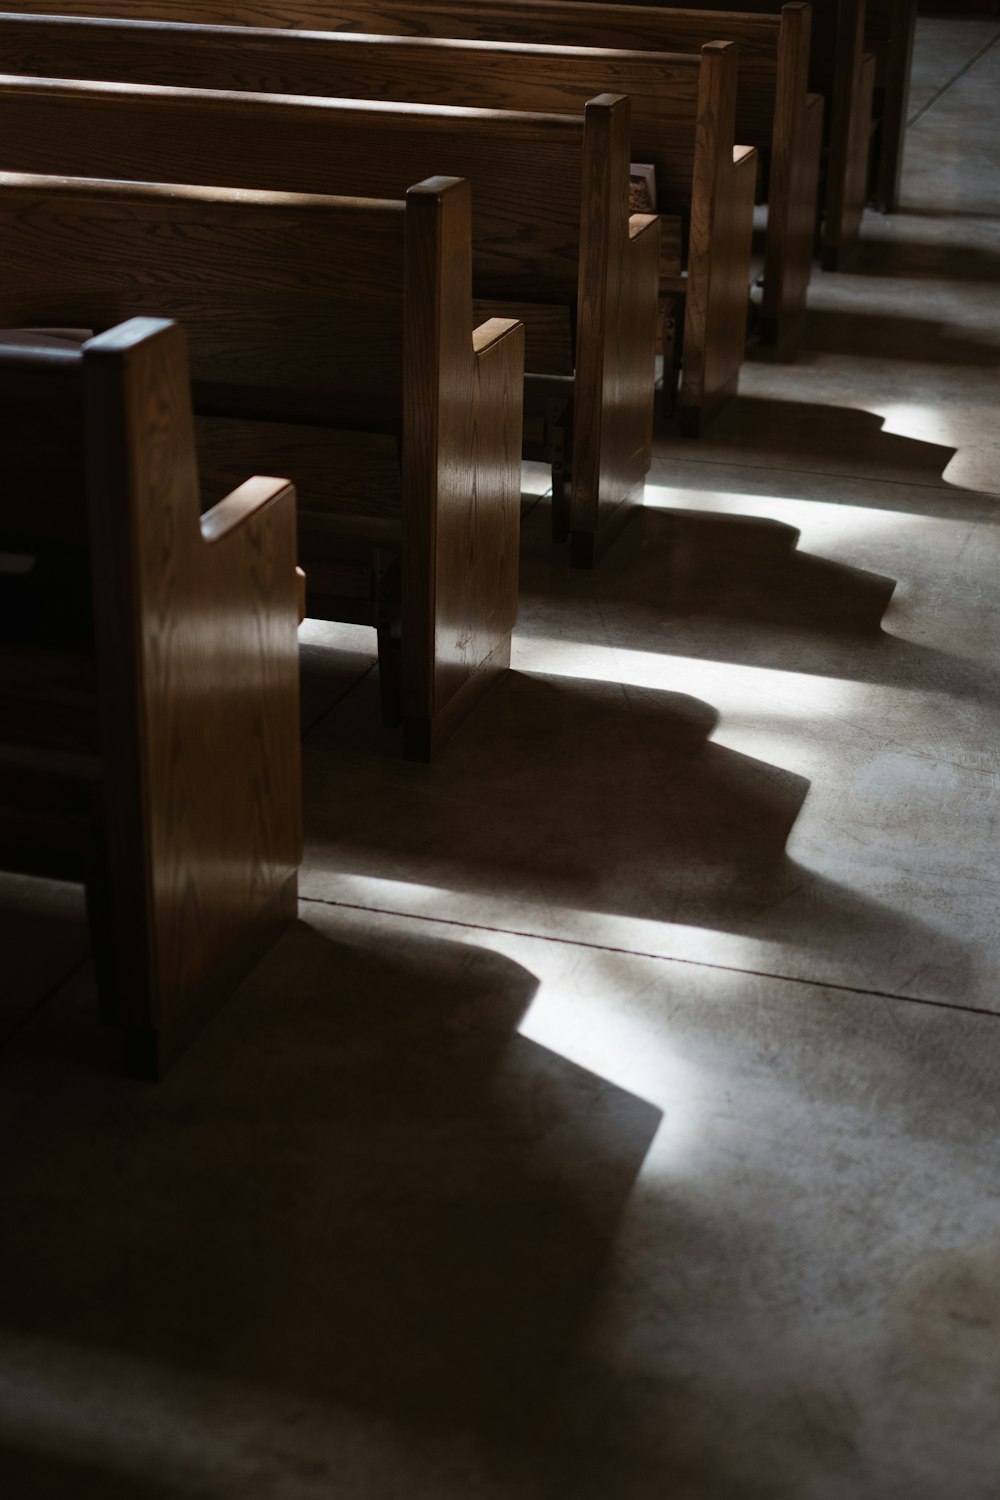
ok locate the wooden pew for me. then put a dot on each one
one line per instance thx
(149, 677)
(331, 337)
(841, 69)
(551, 231)
(774, 110)
(681, 111)
(890, 26)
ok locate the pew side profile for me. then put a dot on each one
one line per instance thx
(890, 27)
(150, 733)
(552, 236)
(681, 114)
(338, 335)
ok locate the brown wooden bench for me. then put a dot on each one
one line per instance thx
(335, 340)
(551, 236)
(681, 111)
(774, 110)
(149, 677)
(890, 26)
(841, 69)
(772, 114)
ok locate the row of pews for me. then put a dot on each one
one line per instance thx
(386, 249)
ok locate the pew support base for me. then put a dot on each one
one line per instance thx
(424, 738)
(149, 1052)
(588, 547)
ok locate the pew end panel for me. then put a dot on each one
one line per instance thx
(198, 658)
(164, 771)
(782, 327)
(890, 30)
(616, 349)
(463, 402)
(719, 248)
(851, 95)
(793, 187)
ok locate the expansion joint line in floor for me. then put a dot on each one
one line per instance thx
(328, 710)
(662, 958)
(952, 81)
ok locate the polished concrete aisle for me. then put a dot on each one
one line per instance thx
(618, 1122)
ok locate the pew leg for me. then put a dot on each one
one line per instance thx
(388, 577)
(560, 447)
(671, 323)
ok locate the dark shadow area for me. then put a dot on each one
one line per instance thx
(886, 336)
(327, 672)
(598, 797)
(38, 1474)
(43, 938)
(839, 441)
(361, 1185)
(934, 260)
(748, 568)
(736, 589)
(585, 794)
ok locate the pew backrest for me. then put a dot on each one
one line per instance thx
(532, 163)
(666, 91)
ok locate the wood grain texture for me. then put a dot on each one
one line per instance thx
(460, 556)
(193, 848)
(664, 88)
(842, 226)
(526, 216)
(890, 27)
(300, 310)
(850, 104)
(718, 249)
(793, 183)
(619, 281)
(838, 71)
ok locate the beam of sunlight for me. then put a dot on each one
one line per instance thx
(918, 420)
(740, 693)
(823, 524)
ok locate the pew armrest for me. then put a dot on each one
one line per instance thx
(461, 483)
(491, 332)
(236, 509)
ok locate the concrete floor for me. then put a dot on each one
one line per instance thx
(618, 1121)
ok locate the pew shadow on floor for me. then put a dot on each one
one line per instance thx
(817, 438)
(889, 336)
(364, 1186)
(741, 567)
(929, 260)
(659, 824)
